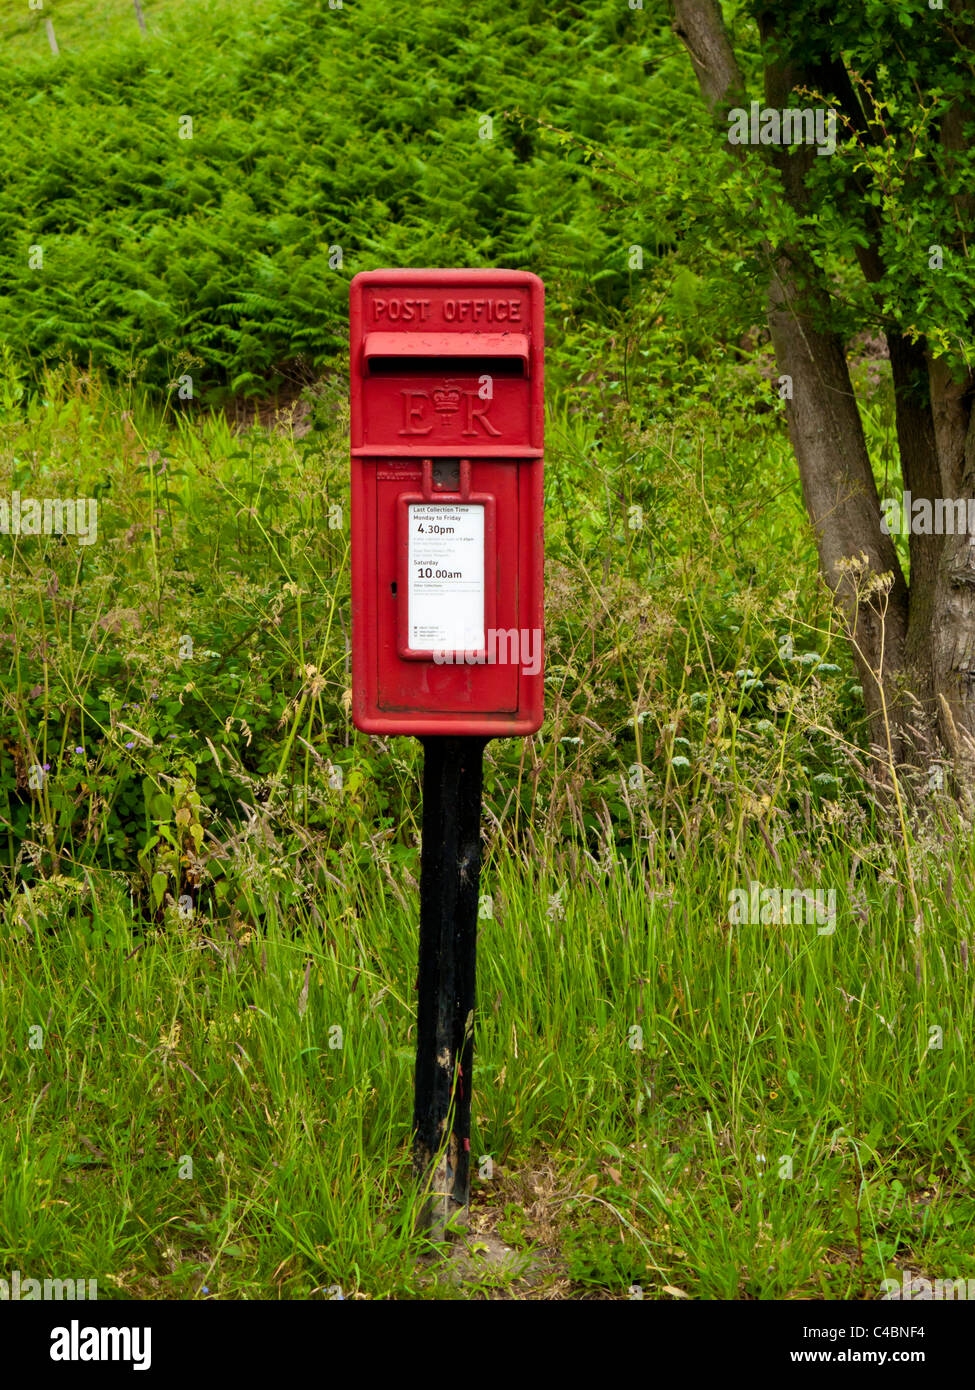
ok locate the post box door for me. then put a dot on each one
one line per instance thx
(409, 678)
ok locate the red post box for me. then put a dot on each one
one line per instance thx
(447, 420)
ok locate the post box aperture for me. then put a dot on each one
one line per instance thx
(447, 403)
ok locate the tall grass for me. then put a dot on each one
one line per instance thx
(209, 934)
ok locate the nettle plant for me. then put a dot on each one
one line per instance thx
(873, 237)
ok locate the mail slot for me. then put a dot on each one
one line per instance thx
(447, 411)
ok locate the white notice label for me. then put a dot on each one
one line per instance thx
(446, 590)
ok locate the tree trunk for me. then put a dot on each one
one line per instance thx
(825, 428)
(953, 627)
(841, 499)
(953, 411)
(920, 469)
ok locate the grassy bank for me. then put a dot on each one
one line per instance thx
(209, 940)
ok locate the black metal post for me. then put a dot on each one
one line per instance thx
(450, 869)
